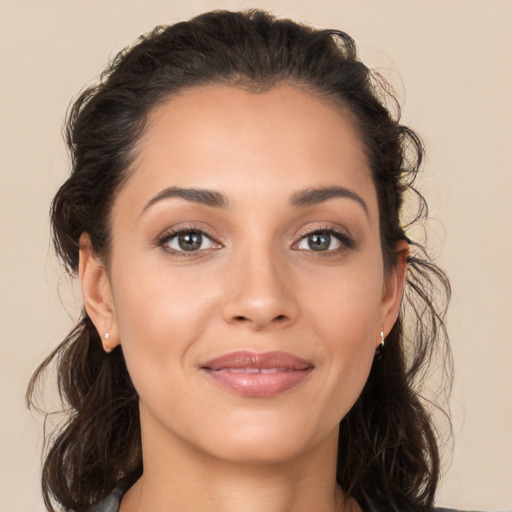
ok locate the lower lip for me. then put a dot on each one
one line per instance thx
(258, 384)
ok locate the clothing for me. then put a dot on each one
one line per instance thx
(112, 502)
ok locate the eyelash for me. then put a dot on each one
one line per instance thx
(346, 242)
(170, 235)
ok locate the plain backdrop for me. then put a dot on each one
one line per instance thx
(450, 61)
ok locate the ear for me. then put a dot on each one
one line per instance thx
(393, 288)
(97, 294)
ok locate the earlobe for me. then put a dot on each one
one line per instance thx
(393, 288)
(97, 294)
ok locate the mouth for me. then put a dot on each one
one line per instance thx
(257, 374)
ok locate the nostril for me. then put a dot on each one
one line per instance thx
(242, 318)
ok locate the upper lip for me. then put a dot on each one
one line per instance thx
(263, 360)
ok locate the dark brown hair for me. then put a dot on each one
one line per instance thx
(387, 453)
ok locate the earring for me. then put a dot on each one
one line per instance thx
(106, 348)
(380, 347)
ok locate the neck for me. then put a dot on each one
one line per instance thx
(178, 478)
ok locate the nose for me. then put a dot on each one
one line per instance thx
(259, 293)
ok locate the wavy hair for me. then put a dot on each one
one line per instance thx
(388, 452)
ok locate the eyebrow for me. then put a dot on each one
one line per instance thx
(196, 195)
(312, 196)
(301, 199)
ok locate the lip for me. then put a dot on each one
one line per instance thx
(257, 374)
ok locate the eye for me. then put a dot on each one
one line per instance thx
(187, 240)
(325, 240)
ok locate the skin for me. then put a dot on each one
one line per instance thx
(256, 284)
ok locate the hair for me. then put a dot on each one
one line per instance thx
(388, 448)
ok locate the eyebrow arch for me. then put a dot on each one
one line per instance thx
(196, 195)
(300, 199)
(312, 196)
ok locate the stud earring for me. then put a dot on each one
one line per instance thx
(106, 348)
(380, 347)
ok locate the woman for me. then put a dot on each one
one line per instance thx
(234, 216)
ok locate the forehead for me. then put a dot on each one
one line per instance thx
(272, 142)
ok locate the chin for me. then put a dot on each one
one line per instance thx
(267, 440)
(257, 451)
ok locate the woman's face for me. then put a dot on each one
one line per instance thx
(246, 281)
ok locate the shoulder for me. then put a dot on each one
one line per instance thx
(442, 509)
(113, 501)
(110, 504)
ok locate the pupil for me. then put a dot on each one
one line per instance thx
(319, 241)
(190, 241)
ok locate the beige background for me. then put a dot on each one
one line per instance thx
(454, 58)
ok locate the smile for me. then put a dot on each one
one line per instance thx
(257, 375)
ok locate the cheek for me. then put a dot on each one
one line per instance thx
(347, 319)
(159, 315)
(158, 301)
(349, 301)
